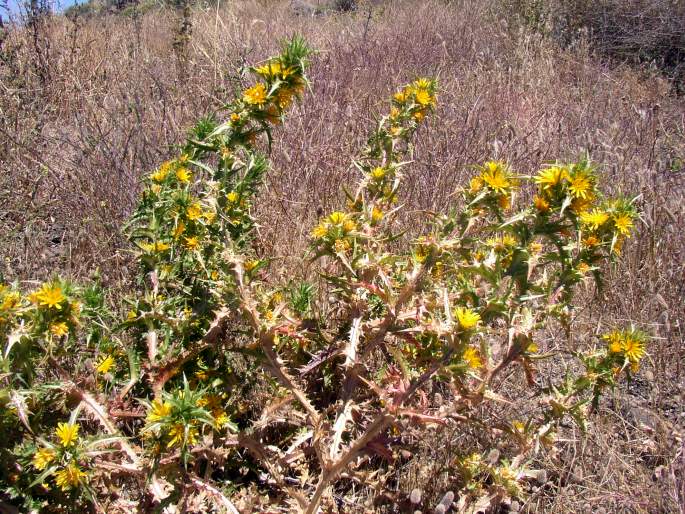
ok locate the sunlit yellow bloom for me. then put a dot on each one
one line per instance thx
(161, 173)
(106, 362)
(181, 435)
(67, 433)
(504, 202)
(519, 426)
(251, 265)
(540, 203)
(467, 318)
(320, 231)
(158, 411)
(580, 185)
(583, 268)
(183, 175)
(349, 225)
(221, 419)
(423, 97)
(256, 95)
(376, 215)
(10, 301)
(419, 116)
(551, 177)
(235, 117)
(156, 247)
(472, 358)
(233, 197)
(623, 224)
(337, 218)
(275, 69)
(533, 348)
(191, 243)
(194, 211)
(476, 185)
(400, 97)
(69, 477)
(495, 175)
(594, 219)
(42, 458)
(633, 348)
(535, 247)
(378, 173)
(49, 296)
(59, 329)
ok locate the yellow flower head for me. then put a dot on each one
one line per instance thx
(184, 175)
(194, 211)
(251, 265)
(50, 296)
(633, 348)
(594, 219)
(423, 98)
(468, 318)
(104, 364)
(69, 477)
(320, 231)
(623, 224)
(59, 329)
(42, 458)
(256, 95)
(496, 175)
(67, 434)
(590, 241)
(551, 177)
(376, 215)
(179, 230)
(158, 411)
(475, 185)
(580, 185)
(10, 301)
(472, 358)
(191, 243)
(337, 218)
(182, 435)
(233, 197)
(378, 173)
(540, 203)
(161, 174)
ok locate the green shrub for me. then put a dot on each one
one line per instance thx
(212, 382)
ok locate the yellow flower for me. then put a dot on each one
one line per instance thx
(519, 426)
(161, 173)
(467, 318)
(256, 95)
(495, 175)
(69, 477)
(182, 435)
(67, 433)
(580, 185)
(475, 185)
(504, 202)
(104, 364)
(59, 329)
(623, 224)
(423, 83)
(156, 247)
(590, 241)
(579, 205)
(191, 243)
(535, 247)
(337, 218)
(540, 203)
(221, 419)
(633, 348)
(472, 358)
(131, 315)
(194, 211)
(551, 177)
(275, 69)
(423, 97)
(378, 173)
(533, 348)
(209, 216)
(158, 411)
(10, 301)
(42, 458)
(319, 231)
(349, 225)
(233, 197)
(235, 117)
(251, 265)
(183, 175)
(376, 215)
(594, 219)
(419, 116)
(583, 268)
(49, 296)
(400, 97)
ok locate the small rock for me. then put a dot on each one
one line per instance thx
(415, 496)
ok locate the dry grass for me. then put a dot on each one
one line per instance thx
(118, 100)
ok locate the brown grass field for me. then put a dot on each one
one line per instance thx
(89, 105)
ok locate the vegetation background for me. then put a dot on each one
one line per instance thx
(93, 99)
